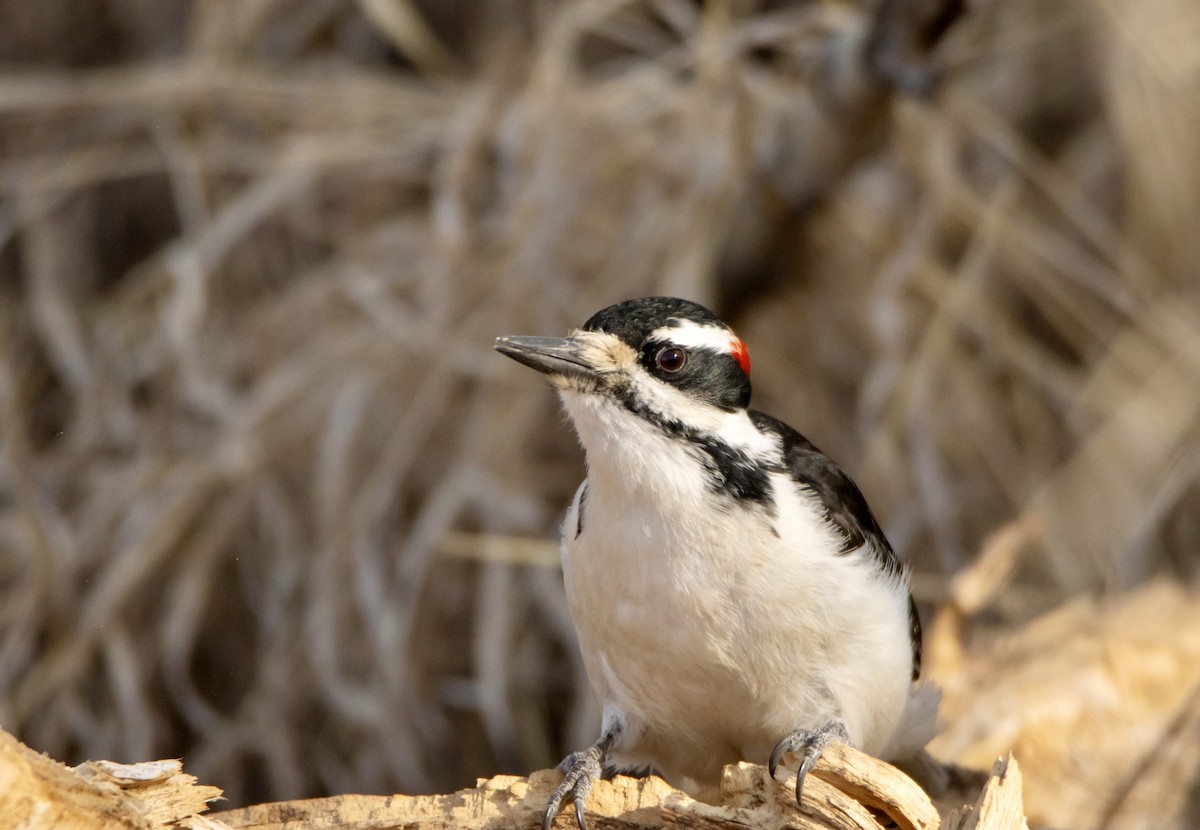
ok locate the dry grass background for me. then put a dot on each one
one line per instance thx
(269, 501)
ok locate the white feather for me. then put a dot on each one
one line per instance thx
(696, 336)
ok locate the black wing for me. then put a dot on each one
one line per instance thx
(844, 506)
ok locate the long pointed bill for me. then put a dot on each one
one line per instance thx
(550, 355)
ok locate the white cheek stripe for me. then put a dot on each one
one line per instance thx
(734, 428)
(695, 336)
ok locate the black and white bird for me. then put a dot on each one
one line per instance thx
(733, 595)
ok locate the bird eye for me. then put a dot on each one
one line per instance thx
(671, 359)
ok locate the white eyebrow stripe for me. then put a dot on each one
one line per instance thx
(696, 336)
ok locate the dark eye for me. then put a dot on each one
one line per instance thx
(671, 359)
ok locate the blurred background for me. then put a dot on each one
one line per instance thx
(269, 501)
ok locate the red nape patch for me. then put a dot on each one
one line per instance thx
(741, 354)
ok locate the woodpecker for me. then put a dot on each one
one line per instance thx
(733, 595)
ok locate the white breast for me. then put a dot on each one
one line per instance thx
(713, 627)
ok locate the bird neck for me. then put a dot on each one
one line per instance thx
(654, 459)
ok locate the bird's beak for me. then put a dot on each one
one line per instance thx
(549, 355)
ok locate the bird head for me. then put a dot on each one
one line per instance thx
(647, 349)
(657, 389)
(661, 356)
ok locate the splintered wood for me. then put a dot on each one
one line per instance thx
(999, 805)
(847, 791)
(37, 792)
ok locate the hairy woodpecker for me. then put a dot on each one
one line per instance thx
(733, 595)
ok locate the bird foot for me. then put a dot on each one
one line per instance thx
(808, 744)
(580, 771)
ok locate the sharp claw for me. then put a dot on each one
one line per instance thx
(811, 753)
(813, 743)
(580, 770)
(773, 763)
(552, 809)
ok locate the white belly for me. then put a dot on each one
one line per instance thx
(713, 647)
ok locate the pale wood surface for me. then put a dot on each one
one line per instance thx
(37, 792)
(1099, 699)
(999, 806)
(839, 795)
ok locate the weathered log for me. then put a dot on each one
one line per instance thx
(37, 792)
